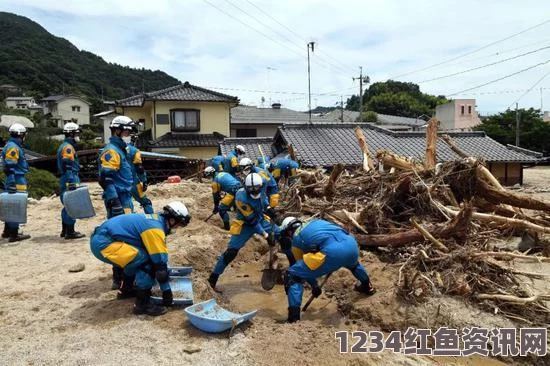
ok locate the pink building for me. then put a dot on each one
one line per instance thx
(458, 115)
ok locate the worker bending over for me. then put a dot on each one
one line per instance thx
(223, 182)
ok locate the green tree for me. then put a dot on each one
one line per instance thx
(369, 116)
(352, 103)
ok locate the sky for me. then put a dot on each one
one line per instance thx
(257, 49)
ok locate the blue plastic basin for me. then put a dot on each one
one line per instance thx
(209, 317)
(182, 289)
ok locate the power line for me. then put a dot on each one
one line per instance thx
(279, 92)
(529, 90)
(484, 66)
(472, 52)
(501, 78)
(346, 67)
(298, 46)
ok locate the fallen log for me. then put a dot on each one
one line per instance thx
(395, 161)
(514, 299)
(330, 190)
(496, 196)
(431, 142)
(426, 234)
(449, 141)
(367, 159)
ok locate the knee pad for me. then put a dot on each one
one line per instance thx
(289, 280)
(229, 255)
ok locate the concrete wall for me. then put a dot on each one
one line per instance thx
(23, 101)
(451, 117)
(64, 111)
(261, 130)
(507, 173)
(445, 113)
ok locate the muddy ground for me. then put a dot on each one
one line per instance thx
(50, 316)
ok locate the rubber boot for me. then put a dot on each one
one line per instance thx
(6, 232)
(117, 278)
(213, 280)
(15, 236)
(143, 304)
(293, 314)
(71, 234)
(127, 289)
(226, 225)
(63, 231)
(365, 288)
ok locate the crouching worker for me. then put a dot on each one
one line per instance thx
(137, 244)
(319, 248)
(223, 182)
(250, 220)
(283, 168)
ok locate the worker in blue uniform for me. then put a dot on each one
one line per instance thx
(270, 187)
(68, 167)
(263, 162)
(217, 163)
(249, 220)
(15, 168)
(231, 161)
(115, 176)
(283, 168)
(137, 244)
(139, 175)
(227, 184)
(319, 247)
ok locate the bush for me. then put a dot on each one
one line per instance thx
(41, 144)
(40, 183)
(369, 116)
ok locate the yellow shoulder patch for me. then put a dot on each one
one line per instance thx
(137, 158)
(110, 159)
(67, 152)
(215, 187)
(12, 154)
(245, 209)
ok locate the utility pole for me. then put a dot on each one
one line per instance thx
(517, 126)
(362, 79)
(541, 111)
(312, 45)
(342, 108)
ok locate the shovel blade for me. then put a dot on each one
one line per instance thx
(270, 277)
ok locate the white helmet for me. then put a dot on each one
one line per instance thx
(71, 127)
(240, 150)
(209, 171)
(290, 222)
(178, 211)
(122, 123)
(253, 185)
(246, 165)
(17, 130)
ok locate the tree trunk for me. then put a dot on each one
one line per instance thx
(367, 160)
(431, 142)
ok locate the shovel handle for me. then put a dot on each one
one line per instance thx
(209, 217)
(311, 298)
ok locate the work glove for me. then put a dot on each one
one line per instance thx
(144, 186)
(316, 291)
(271, 239)
(72, 186)
(216, 210)
(161, 273)
(12, 188)
(167, 298)
(115, 206)
(270, 211)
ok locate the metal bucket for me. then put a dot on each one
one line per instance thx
(13, 207)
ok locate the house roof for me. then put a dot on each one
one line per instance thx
(250, 144)
(182, 92)
(327, 145)
(57, 98)
(174, 139)
(336, 115)
(398, 120)
(104, 113)
(18, 98)
(270, 116)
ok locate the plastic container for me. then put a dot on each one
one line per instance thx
(209, 317)
(13, 207)
(174, 179)
(182, 290)
(78, 203)
(180, 271)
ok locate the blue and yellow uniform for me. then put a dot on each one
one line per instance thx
(270, 187)
(115, 175)
(15, 168)
(284, 168)
(249, 220)
(68, 167)
(262, 162)
(231, 163)
(134, 242)
(139, 177)
(224, 182)
(319, 248)
(217, 163)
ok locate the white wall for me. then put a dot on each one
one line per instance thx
(63, 110)
(261, 130)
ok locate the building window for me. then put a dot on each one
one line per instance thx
(469, 109)
(185, 120)
(246, 132)
(461, 109)
(76, 108)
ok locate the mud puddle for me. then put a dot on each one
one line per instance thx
(241, 287)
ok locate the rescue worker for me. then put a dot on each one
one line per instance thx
(217, 163)
(270, 187)
(283, 168)
(137, 243)
(68, 166)
(263, 162)
(250, 220)
(231, 161)
(223, 182)
(115, 176)
(139, 175)
(319, 248)
(15, 168)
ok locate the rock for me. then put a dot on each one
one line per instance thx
(77, 268)
(32, 201)
(191, 348)
(233, 354)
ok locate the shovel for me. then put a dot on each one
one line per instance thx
(312, 297)
(209, 217)
(270, 275)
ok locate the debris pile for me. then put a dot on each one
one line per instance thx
(438, 224)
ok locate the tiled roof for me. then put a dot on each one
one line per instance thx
(52, 98)
(172, 139)
(398, 120)
(327, 145)
(270, 116)
(250, 144)
(183, 92)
